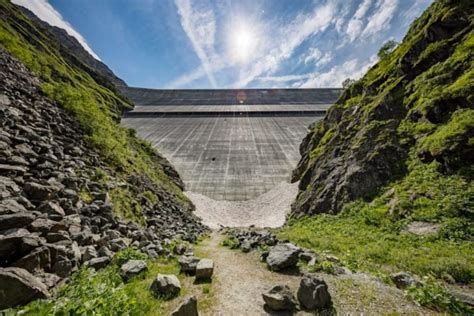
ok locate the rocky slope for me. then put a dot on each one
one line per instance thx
(411, 112)
(74, 187)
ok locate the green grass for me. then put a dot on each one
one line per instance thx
(369, 236)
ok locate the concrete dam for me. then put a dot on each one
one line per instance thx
(228, 144)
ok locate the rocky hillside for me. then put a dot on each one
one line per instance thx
(406, 125)
(74, 186)
(72, 46)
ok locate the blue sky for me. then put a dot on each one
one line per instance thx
(233, 44)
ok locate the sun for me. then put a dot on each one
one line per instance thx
(242, 43)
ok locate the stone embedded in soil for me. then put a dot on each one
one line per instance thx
(280, 298)
(188, 264)
(283, 256)
(204, 269)
(313, 293)
(188, 308)
(403, 280)
(166, 285)
(132, 268)
(18, 287)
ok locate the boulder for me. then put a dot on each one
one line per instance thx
(403, 280)
(204, 269)
(38, 259)
(188, 264)
(52, 208)
(89, 253)
(245, 246)
(313, 293)
(98, 263)
(132, 268)
(36, 191)
(188, 308)
(18, 287)
(11, 206)
(13, 247)
(282, 256)
(280, 298)
(15, 220)
(63, 267)
(165, 285)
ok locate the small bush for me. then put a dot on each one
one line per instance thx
(431, 294)
(129, 254)
(231, 243)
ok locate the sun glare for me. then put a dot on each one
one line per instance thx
(243, 42)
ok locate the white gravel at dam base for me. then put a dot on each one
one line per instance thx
(267, 210)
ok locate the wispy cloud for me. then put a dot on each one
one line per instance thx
(316, 57)
(199, 24)
(353, 69)
(45, 11)
(356, 24)
(382, 17)
(292, 36)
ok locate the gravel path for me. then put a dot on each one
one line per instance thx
(267, 210)
(240, 279)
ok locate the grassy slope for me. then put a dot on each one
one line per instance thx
(96, 107)
(368, 234)
(104, 293)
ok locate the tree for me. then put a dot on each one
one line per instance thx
(347, 83)
(386, 49)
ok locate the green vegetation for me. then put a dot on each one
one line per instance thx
(434, 295)
(231, 243)
(126, 205)
(386, 49)
(97, 108)
(323, 266)
(104, 293)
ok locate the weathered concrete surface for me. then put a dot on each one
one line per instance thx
(227, 152)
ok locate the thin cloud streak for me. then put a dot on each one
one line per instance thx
(199, 24)
(45, 11)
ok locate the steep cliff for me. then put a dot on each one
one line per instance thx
(410, 117)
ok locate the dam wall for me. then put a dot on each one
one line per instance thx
(224, 146)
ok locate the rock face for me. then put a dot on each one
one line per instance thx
(313, 293)
(364, 140)
(280, 298)
(188, 308)
(18, 286)
(165, 285)
(132, 268)
(204, 269)
(283, 256)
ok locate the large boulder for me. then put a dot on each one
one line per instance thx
(39, 192)
(204, 269)
(13, 247)
(280, 298)
(188, 264)
(313, 293)
(18, 287)
(16, 220)
(98, 263)
(188, 308)
(282, 256)
(132, 268)
(36, 260)
(165, 285)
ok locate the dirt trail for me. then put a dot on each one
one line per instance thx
(240, 278)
